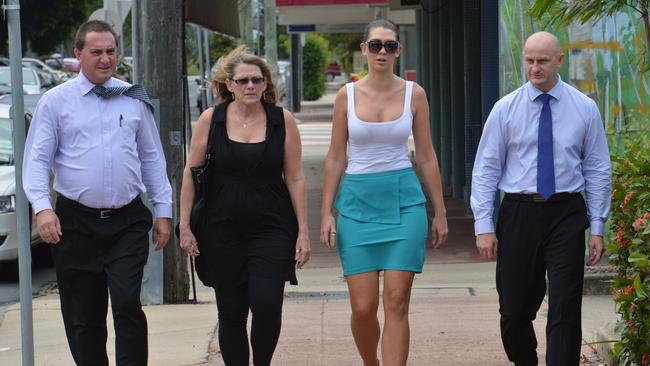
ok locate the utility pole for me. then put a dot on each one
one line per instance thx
(245, 22)
(270, 36)
(163, 60)
(12, 10)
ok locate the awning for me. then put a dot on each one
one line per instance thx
(216, 15)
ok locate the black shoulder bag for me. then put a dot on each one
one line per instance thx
(200, 175)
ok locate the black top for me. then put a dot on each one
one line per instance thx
(251, 221)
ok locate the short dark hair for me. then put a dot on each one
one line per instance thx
(98, 26)
(380, 23)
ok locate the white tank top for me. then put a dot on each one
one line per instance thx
(375, 147)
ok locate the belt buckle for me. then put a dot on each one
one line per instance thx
(538, 198)
(105, 214)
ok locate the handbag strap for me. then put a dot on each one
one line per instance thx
(213, 122)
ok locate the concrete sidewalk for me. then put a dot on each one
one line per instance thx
(454, 321)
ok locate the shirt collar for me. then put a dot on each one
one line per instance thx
(555, 92)
(85, 85)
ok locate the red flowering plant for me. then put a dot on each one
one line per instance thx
(629, 250)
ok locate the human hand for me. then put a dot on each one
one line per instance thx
(188, 241)
(49, 227)
(487, 245)
(328, 231)
(596, 249)
(161, 231)
(439, 231)
(303, 250)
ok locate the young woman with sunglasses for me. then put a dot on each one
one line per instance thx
(256, 231)
(382, 220)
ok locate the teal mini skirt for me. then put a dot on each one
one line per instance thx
(382, 222)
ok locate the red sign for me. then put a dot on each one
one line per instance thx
(327, 2)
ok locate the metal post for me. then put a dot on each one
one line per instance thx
(208, 68)
(135, 40)
(22, 210)
(296, 70)
(199, 41)
(270, 37)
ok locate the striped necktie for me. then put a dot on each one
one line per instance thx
(134, 91)
(545, 165)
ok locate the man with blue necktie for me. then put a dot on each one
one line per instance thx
(543, 145)
(97, 135)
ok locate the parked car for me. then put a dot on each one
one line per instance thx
(8, 221)
(333, 70)
(71, 64)
(32, 82)
(57, 76)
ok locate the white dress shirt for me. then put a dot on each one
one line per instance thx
(507, 154)
(103, 152)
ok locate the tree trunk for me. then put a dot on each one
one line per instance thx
(163, 79)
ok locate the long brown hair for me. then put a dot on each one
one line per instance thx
(225, 69)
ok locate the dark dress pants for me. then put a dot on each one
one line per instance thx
(97, 256)
(538, 239)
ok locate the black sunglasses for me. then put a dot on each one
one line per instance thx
(375, 45)
(244, 81)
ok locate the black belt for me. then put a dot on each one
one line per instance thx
(101, 213)
(537, 198)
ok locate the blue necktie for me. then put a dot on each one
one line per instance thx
(545, 168)
(133, 91)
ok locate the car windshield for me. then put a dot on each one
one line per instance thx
(29, 76)
(6, 142)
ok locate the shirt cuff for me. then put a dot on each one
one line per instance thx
(41, 204)
(163, 210)
(597, 227)
(483, 226)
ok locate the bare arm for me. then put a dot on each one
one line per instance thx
(196, 157)
(294, 178)
(426, 160)
(335, 163)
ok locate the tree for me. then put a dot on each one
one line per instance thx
(566, 12)
(315, 55)
(46, 26)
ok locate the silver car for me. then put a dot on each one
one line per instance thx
(8, 230)
(32, 83)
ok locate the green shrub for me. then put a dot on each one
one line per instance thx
(629, 249)
(315, 61)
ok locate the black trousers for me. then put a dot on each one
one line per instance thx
(264, 298)
(101, 253)
(538, 239)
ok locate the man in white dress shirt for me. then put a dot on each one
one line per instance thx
(543, 144)
(98, 137)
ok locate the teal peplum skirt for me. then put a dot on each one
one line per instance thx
(382, 222)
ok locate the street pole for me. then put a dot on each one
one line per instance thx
(245, 22)
(208, 68)
(137, 34)
(270, 36)
(12, 10)
(199, 41)
(163, 79)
